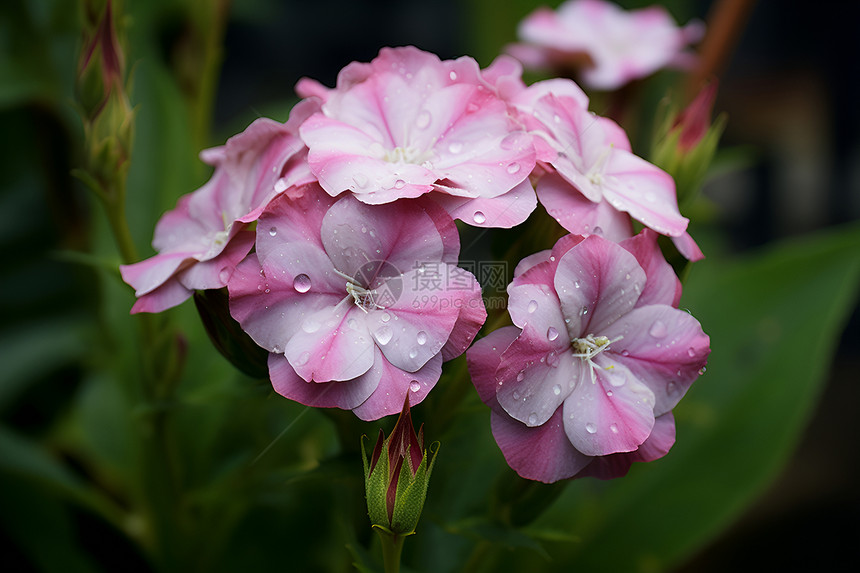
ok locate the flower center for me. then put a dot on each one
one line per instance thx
(407, 155)
(595, 174)
(590, 346)
(363, 298)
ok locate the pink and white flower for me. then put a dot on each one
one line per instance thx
(408, 124)
(340, 293)
(201, 241)
(593, 177)
(585, 381)
(611, 45)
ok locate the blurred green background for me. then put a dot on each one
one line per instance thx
(223, 475)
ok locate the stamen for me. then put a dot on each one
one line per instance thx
(363, 297)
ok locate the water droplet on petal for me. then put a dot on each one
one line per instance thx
(532, 306)
(310, 325)
(556, 389)
(609, 393)
(479, 217)
(658, 329)
(671, 388)
(302, 283)
(583, 311)
(597, 231)
(276, 349)
(303, 359)
(551, 333)
(383, 335)
(520, 376)
(455, 147)
(415, 385)
(399, 184)
(273, 231)
(625, 353)
(453, 76)
(423, 119)
(352, 323)
(421, 337)
(590, 428)
(516, 395)
(532, 419)
(513, 168)
(613, 428)
(413, 353)
(691, 352)
(280, 186)
(224, 275)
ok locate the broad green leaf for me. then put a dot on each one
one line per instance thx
(774, 320)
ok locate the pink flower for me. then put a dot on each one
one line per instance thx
(611, 45)
(201, 241)
(408, 124)
(593, 177)
(584, 384)
(358, 305)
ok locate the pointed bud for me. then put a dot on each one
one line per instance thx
(396, 476)
(685, 142)
(101, 66)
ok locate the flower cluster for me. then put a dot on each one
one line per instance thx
(608, 46)
(321, 228)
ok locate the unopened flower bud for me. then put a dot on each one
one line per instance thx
(396, 477)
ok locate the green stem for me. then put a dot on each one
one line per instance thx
(392, 547)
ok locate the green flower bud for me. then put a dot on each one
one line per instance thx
(396, 476)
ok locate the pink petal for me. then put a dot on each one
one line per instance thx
(597, 282)
(662, 286)
(345, 395)
(663, 347)
(613, 413)
(151, 273)
(656, 446)
(535, 375)
(645, 191)
(483, 358)
(471, 318)
(167, 295)
(401, 234)
(214, 273)
(542, 453)
(579, 215)
(335, 344)
(688, 247)
(505, 211)
(394, 384)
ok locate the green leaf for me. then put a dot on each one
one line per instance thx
(774, 320)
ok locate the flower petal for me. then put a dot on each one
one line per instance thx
(577, 214)
(663, 286)
(394, 384)
(663, 347)
(612, 412)
(504, 211)
(345, 395)
(483, 358)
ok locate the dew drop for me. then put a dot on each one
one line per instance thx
(532, 419)
(658, 329)
(302, 283)
(613, 428)
(516, 395)
(479, 217)
(513, 168)
(453, 76)
(423, 119)
(597, 231)
(399, 184)
(556, 118)
(303, 359)
(352, 323)
(551, 333)
(273, 231)
(310, 325)
(520, 376)
(609, 393)
(280, 186)
(691, 352)
(224, 275)
(625, 353)
(276, 349)
(413, 353)
(590, 428)
(556, 389)
(583, 311)
(455, 147)
(385, 317)
(383, 335)
(421, 337)
(671, 388)
(415, 385)
(532, 306)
